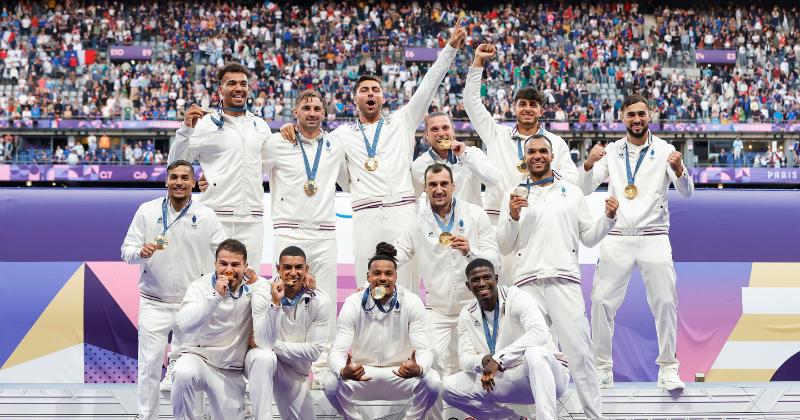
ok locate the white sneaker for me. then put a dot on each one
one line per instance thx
(605, 378)
(668, 379)
(166, 383)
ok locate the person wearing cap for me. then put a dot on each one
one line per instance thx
(545, 219)
(382, 347)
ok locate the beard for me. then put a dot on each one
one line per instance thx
(637, 135)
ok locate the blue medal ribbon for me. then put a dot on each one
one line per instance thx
(528, 183)
(371, 149)
(286, 302)
(218, 121)
(164, 215)
(451, 158)
(642, 154)
(366, 297)
(311, 171)
(491, 337)
(520, 140)
(452, 217)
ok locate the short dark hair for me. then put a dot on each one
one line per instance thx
(384, 252)
(540, 136)
(308, 94)
(530, 94)
(232, 67)
(477, 263)
(437, 114)
(435, 169)
(180, 162)
(634, 99)
(233, 246)
(291, 251)
(363, 78)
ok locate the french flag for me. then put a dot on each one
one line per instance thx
(86, 57)
(8, 37)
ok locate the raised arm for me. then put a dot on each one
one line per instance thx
(487, 241)
(266, 315)
(480, 118)
(134, 239)
(197, 305)
(508, 226)
(678, 173)
(594, 170)
(181, 146)
(479, 164)
(593, 231)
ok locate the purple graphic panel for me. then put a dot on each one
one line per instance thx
(129, 52)
(715, 56)
(101, 366)
(421, 54)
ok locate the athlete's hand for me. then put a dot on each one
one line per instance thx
(462, 244)
(202, 183)
(483, 53)
(277, 291)
(597, 153)
(250, 275)
(194, 113)
(515, 206)
(458, 147)
(310, 282)
(353, 371)
(147, 250)
(611, 207)
(409, 368)
(458, 36)
(222, 285)
(289, 133)
(675, 162)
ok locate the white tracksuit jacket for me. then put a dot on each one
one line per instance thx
(472, 168)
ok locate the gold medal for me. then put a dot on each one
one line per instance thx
(631, 191)
(446, 238)
(161, 242)
(522, 167)
(521, 191)
(378, 293)
(310, 187)
(446, 144)
(371, 164)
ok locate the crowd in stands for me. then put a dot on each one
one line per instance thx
(584, 56)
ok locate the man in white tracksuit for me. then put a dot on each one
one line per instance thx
(640, 168)
(544, 220)
(216, 320)
(282, 369)
(229, 145)
(303, 177)
(504, 144)
(469, 164)
(187, 233)
(382, 346)
(505, 352)
(441, 260)
(379, 151)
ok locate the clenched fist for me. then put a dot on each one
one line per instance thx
(611, 207)
(597, 153)
(675, 161)
(482, 53)
(194, 113)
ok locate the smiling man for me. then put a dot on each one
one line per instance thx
(640, 167)
(505, 352)
(469, 164)
(282, 369)
(229, 144)
(545, 218)
(173, 240)
(382, 347)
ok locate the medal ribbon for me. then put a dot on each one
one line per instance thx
(164, 215)
(451, 158)
(286, 302)
(491, 337)
(520, 140)
(242, 287)
(374, 148)
(642, 154)
(528, 184)
(452, 218)
(311, 172)
(367, 296)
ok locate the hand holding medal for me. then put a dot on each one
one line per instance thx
(222, 285)
(518, 201)
(148, 250)
(460, 243)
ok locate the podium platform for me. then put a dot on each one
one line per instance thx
(634, 401)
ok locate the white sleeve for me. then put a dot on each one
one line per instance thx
(592, 231)
(196, 307)
(414, 111)
(469, 360)
(532, 320)
(487, 247)
(266, 316)
(418, 167)
(479, 164)
(316, 337)
(268, 161)
(218, 234)
(481, 119)
(507, 228)
(563, 162)
(684, 184)
(134, 239)
(405, 246)
(345, 331)
(420, 335)
(181, 147)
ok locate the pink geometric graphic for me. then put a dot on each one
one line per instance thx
(121, 282)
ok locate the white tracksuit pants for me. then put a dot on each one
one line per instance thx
(155, 324)
(618, 256)
(321, 259)
(444, 333)
(270, 377)
(540, 379)
(563, 308)
(250, 232)
(385, 385)
(224, 388)
(382, 224)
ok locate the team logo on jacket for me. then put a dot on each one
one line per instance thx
(652, 154)
(194, 221)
